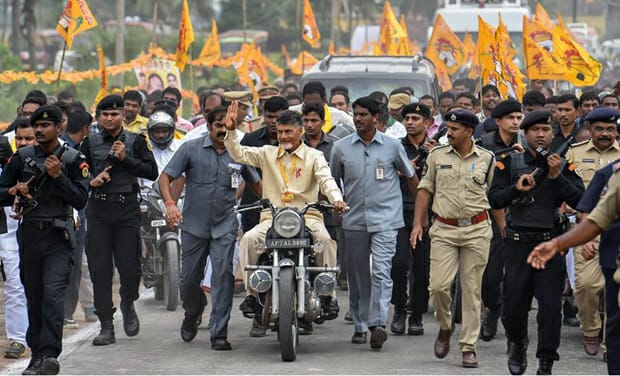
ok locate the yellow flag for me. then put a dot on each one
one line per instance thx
(539, 63)
(186, 38)
(103, 87)
(286, 55)
(487, 46)
(542, 16)
(537, 32)
(389, 29)
(331, 49)
(376, 50)
(75, 18)
(444, 45)
(442, 75)
(471, 56)
(582, 68)
(511, 80)
(503, 37)
(310, 31)
(304, 62)
(211, 52)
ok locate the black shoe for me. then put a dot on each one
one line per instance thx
(348, 317)
(330, 307)
(517, 358)
(488, 328)
(49, 366)
(378, 336)
(415, 325)
(131, 323)
(398, 321)
(343, 285)
(189, 328)
(249, 306)
(34, 367)
(569, 310)
(304, 327)
(220, 344)
(359, 338)
(106, 335)
(258, 330)
(544, 366)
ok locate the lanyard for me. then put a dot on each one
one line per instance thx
(283, 170)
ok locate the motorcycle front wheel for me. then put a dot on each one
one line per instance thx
(171, 274)
(287, 316)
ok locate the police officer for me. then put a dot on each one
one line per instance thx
(416, 118)
(46, 234)
(533, 186)
(507, 115)
(603, 217)
(588, 157)
(457, 178)
(118, 158)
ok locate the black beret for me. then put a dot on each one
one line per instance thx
(537, 117)
(603, 114)
(489, 125)
(48, 112)
(463, 117)
(506, 107)
(111, 102)
(78, 120)
(417, 108)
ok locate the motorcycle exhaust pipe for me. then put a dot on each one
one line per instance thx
(260, 281)
(324, 283)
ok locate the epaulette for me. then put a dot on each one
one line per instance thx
(579, 143)
(439, 147)
(616, 167)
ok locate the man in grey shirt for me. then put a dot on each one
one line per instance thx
(208, 224)
(369, 164)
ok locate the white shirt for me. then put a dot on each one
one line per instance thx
(202, 131)
(162, 157)
(397, 130)
(338, 117)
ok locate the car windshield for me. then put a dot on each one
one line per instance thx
(361, 87)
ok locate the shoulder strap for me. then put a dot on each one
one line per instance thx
(27, 151)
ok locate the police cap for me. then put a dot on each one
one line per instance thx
(505, 108)
(111, 102)
(268, 92)
(49, 112)
(463, 117)
(398, 101)
(604, 115)
(244, 97)
(417, 108)
(537, 117)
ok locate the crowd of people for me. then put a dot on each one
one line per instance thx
(433, 197)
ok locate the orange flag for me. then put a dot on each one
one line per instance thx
(75, 18)
(444, 45)
(542, 16)
(582, 68)
(103, 87)
(487, 46)
(539, 62)
(186, 38)
(537, 32)
(503, 37)
(304, 62)
(211, 51)
(512, 81)
(310, 31)
(442, 75)
(331, 49)
(390, 28)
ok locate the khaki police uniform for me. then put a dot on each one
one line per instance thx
(589, 279)
(460, 234)
(245, 98)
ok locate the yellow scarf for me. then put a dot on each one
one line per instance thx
(328, 126)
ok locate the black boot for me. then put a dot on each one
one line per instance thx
(34, 367)
(488, 329)
(517, 357)
(415, 325)
(398, 320)
(258, 330)
(544, 366)
(106, 335)
(131, 324)
(569, 309)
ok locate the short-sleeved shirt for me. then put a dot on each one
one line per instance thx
(376, 203)
(209, 193)
(587, 158)
(607, 209)
(459, 184)
(138, 125)
(608, 246)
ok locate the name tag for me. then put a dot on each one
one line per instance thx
(235, 175)
(379, 170)
(588, 160)
(445, 167)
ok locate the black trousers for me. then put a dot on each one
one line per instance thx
(417, 264)
(612, 327)
(73, 290)
(494, 274)
(113, 239)
(46, 260)
(521, 283)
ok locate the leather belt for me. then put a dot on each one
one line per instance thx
(114, 197)
(39, 225)
(464, 222)
(530, 236)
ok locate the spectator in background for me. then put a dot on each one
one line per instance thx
(610, 100)
(533, 100)
(133, 121)
(294, 99)
(174, 95)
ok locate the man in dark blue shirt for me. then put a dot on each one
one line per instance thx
(608, 251)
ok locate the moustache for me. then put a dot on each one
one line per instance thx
(38, 134)
(604, 138)
(221, 134)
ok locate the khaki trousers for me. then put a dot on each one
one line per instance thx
(589, 286)
(249, 254)
(467, 249)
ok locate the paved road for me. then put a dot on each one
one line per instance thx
(158, 349)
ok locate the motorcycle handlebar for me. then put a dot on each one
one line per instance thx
(265, 203)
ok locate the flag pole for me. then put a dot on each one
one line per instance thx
(245, 20)
(62, 61)
(191, 75)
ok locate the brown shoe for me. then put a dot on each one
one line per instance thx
(442, 343)
(469, 359)
(590, 345)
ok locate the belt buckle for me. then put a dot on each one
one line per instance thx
(122, 199)
(102, 196)
(464, 222)
(546, 236)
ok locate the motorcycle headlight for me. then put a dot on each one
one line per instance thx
(287, 224)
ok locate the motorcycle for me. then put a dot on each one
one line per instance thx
(284, 273)
(161, 249)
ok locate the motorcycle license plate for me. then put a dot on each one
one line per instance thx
(158, 223)
(288, 243)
